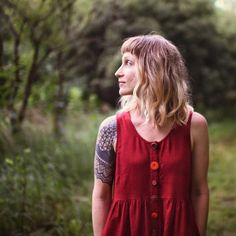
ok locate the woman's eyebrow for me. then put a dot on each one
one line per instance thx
(127, 58)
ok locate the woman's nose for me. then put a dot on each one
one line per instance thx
(119, 72)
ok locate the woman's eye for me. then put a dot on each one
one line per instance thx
(128, 62)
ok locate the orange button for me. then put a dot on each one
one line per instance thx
(154, 165)
(154, 215)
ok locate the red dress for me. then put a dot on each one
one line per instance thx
(152, 184)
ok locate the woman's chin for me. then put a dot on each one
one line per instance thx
(125, 92)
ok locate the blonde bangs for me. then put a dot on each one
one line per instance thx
(162, 91)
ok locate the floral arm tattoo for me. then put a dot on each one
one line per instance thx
(104, 151)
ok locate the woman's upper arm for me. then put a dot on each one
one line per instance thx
(200, 151)
(104, 160)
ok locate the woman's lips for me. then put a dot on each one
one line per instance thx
(121, 83)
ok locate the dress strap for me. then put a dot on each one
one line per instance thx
(189, 118)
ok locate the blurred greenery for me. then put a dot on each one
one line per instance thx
(222, 215)
(57, 64)
(45, 184)
(51, 47)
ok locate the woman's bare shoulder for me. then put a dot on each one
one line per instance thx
(198, 120)
(199, 125)
(108, 121)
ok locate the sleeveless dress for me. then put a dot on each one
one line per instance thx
(152, 185)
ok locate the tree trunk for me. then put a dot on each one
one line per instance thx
(28, 87)
(2, 77)
(14, 86)
(1, 51)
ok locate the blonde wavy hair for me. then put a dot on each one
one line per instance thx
(161, 93)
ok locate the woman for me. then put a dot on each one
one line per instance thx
(151, 158)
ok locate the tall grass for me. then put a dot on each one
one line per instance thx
(222, 179)
(46, 184)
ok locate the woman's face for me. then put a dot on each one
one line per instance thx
(127, 74)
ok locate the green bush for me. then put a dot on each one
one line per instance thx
(45, 184)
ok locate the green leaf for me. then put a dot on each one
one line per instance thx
(9, 161)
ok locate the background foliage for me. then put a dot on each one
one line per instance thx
(57, 64)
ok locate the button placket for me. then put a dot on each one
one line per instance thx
(154, 169)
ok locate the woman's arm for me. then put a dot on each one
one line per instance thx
(200, 150)
(104, 168)
(101, 201)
